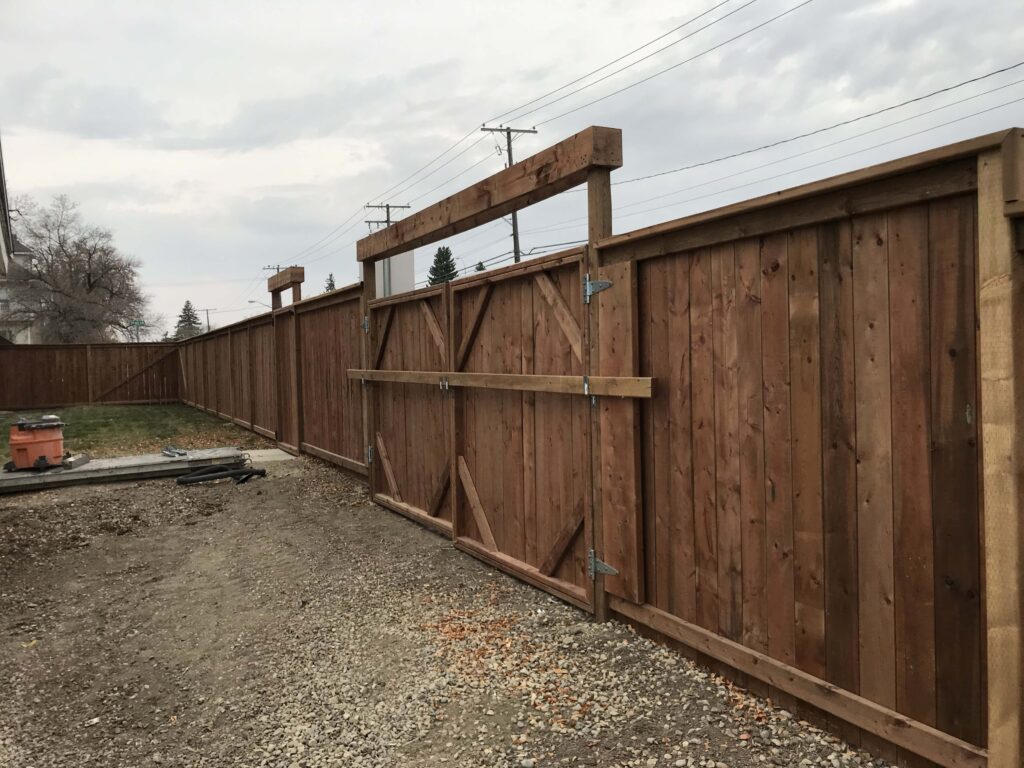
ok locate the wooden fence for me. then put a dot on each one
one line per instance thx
(785, 433)
(49, 376)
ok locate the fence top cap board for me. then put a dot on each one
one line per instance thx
(286, 277)
(918, 161)
(538, 177)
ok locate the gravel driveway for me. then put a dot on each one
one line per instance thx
(289, 622)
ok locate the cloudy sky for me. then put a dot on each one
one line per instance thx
(215, 138)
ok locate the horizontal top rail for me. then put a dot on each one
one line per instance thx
(512, 271)
(549, 172)
(598, 386)
(921, 160)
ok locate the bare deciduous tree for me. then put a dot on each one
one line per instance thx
(76, 284)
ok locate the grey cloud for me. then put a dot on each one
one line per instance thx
(45, 98)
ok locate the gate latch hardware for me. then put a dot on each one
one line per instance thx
(369, 454)
(590, 287)
(595, 566)
(443, 383)
(365, 324)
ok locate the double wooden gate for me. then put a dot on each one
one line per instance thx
(481, 413)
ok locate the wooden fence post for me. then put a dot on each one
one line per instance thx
(1001, 303)
(297, 377)
(599, 225)
(88, 373)
(369, 293)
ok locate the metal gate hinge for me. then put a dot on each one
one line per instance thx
(369, 454)
(595, 566)
(365, 324)
(443, 383)
(590, 287)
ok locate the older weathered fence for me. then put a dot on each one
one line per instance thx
(786, 433)
(47, 376)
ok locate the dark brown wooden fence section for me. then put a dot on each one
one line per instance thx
(47, 376)
(283, 375)
(521, 456)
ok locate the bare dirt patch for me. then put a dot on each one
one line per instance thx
(289, 622)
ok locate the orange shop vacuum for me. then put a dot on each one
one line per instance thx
(36, 444)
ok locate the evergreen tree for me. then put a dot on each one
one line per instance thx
(443, 269)
(329, 285)
(188, 324)
(480, 267)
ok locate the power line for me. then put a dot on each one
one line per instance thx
(697, 31)
(559, 226)
(496, 118)
(508, 131)
(678, 64)
(795, 170)
(335, 234)
(815, 132)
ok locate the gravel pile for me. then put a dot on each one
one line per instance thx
(290, 623)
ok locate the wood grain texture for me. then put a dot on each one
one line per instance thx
(954, 403)
(550, 171)
(876, 591)
(913, 547)
(1001, 310)
(778, 449)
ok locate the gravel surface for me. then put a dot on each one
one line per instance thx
(289, 622)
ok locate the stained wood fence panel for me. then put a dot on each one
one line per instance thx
(522, 458)
(840, 452)
(332, 416)
(50, 376)
(409, 430)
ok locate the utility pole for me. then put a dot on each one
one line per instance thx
(207, 310)
(385, 267)
(275, 267)
(516, 253)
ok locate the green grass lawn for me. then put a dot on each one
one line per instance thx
(124, 430)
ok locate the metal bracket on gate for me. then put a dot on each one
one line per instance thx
(586, 391)
(443, 384)
(365, 324)
(369, 454)
(590, 287)
(595, 566)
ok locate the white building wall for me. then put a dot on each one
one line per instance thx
(396, 275)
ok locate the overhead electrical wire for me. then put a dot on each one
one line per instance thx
(696, 56)
(559, 225)
(664, 48)
(332, 236)
(816, 131)
(624, 56)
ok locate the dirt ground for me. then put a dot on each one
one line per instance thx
(289, 622)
